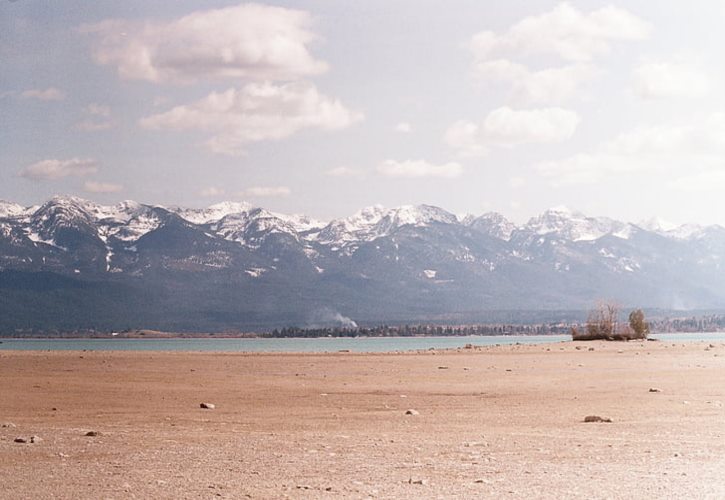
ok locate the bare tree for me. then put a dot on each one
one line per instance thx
(601, 323)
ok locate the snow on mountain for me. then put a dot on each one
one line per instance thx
(212, 213)
(302, 223)
(139, 224)
(493, 224)
(12, 210)
(251, 227)
(657, 225)
(375, 221)
(575, 226)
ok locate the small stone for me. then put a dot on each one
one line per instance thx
(92, 433)
(20, 440)
(35, 439)
(412, 412)
(207, 406)
(591, 348)
(442, 367)
(654, 389)
(422, 482)
(597, 418)
(7, 425)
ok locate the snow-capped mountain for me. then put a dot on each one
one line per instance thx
(493, 224)
(575, 226)
(233, 265)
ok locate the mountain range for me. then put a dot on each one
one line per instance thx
(73, 264)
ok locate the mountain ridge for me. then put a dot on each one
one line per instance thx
(236, 266)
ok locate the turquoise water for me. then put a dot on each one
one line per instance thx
(324, 344)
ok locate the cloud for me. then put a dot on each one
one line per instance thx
(101, 187)
(419, 169)
(547, 85)
(666, 79)
(506, 127)
(564, 31)
(211, 192)
(49, 94)
(267, 192)
(255, 112)
(243, 42)
(404, 128)
(57, 169)
(646, 149)
(344, 172)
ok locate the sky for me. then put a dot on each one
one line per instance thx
(319, 107)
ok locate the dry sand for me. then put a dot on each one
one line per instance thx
(497, 422)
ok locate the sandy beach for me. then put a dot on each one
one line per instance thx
(502, 421)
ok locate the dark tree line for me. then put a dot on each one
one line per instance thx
(421, 330)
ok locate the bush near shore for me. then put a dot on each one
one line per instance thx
(603, 325)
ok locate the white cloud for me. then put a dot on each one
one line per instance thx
(256, 112)
(647, 149)
(404, 128)
(507, 127)
(667, 79)
(419, 168)
(266, 191)
(211, 192)
(344, 172)
(547, 85)
(57, 169)
(247, 41)
(564, 31)
(101, 187)
(49, 94)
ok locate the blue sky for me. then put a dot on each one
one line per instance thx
(324, 107)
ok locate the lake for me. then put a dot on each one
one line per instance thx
(323, 344)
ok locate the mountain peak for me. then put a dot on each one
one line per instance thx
(493, 224)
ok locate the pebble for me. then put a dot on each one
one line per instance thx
(20, 440)
(422, 482)
(35, 439)
(207, 406)
(597, 418)
(8, 425)
(442, 367)
(92, 433)
(654, 389)
(412, 412)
